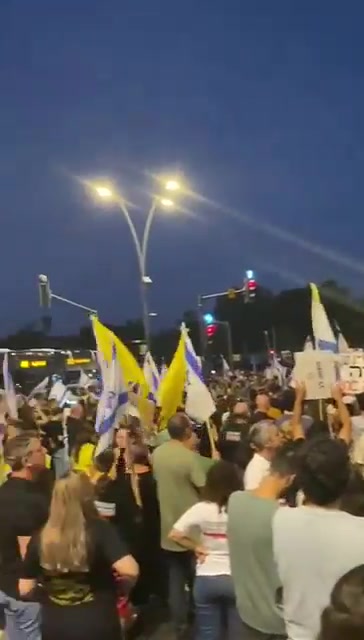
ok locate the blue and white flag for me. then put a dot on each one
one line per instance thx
(151, 375)
(40, 388)
(199, 403)
(84, 380)
(322, 330)
(58, 393)
(276, 370)
(10, 394)
(113, 404)
(342, 345)
(225, 367)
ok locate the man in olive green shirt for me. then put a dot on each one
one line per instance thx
(250, 536)
(180, 477)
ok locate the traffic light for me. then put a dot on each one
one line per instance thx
(250, 286)
(208, 318)
(210, 325)
(211, 330)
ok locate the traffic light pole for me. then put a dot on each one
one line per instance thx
(73, 304)
(46, 296)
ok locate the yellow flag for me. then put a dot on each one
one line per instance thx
(105, 339)
(170, 393)
(315, 293)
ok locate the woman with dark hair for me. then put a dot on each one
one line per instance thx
(102, 477)
(343, 619)
(138, 519)
(213, 590)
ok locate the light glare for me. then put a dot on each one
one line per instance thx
(167, 203)
(104, 192)
(172, 185)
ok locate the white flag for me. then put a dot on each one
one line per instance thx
(199, 403)
(9, 389)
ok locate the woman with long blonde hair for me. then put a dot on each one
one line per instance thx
(73, 558)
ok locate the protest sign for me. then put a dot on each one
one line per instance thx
(319, 371)
(352, 372)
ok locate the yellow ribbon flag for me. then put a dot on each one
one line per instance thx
(170, 393)
(105, 339)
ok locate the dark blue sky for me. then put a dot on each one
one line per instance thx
(259, 102)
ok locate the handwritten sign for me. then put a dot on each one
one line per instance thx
(352, 372)
(319, 371)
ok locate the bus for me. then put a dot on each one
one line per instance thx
(29, 367)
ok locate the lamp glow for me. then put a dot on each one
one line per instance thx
(172, 185)
(104, 192)
(167, 203)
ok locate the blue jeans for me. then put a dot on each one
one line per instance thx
(216, 613)
(22, 619)
(181, 568)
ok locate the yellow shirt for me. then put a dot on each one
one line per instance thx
(5, 470)
(85, 458)
(274, 413)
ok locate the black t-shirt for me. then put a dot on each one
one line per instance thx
(105, 547)
(23, 511)
(53, 438)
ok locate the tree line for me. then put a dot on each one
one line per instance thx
(284, 316)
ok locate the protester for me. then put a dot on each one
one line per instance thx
(23, 510)
(264, 439)
(138, 519)
(180, 479)
(315, 544)
(73, 558)
(213, 589)
(82, 453)
(343, 618)
(256, 582)
(234, 431)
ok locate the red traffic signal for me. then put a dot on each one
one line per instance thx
(211, 330)
(252, 285)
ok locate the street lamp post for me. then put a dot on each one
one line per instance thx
(141, 247)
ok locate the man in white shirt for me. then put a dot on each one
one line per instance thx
(316, 544)
(265, 439)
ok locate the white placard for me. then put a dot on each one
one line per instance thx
(352, 372)
(319, 370)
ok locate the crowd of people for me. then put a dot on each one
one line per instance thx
(248, 528)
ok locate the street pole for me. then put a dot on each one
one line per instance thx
(141, 249)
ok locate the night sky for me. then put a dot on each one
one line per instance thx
(259, 103)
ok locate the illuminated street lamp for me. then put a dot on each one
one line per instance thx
(104, 192)
(172, 185)
(107, 193)
(166, 203)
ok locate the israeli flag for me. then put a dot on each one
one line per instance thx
(58, 393)
(84, 380)
(225, 367)
(199, 403)
(114, 403)
(342, 345)
(40, 388)
(151, 375)
(10, 394)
